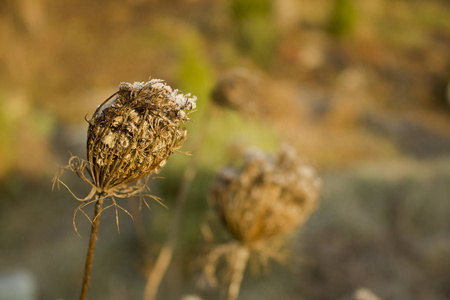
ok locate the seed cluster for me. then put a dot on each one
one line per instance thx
(240, 89)
(266, 198)
(133, 132)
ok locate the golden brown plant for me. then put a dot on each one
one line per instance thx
(130, 136)
(266, 199)
(259, 204)
(133, 135)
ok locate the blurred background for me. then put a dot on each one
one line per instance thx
(360, 88)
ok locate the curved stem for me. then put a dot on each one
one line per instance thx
(239, 264)
(92, 242)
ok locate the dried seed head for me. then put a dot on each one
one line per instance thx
(134, 132)
(239, 89)
(265, 198)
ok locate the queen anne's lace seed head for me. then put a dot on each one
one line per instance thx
(133, 133)
(130, 136)
(266, 198)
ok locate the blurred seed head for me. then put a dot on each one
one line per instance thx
(266, 198)
(255, 94)
(239, 89)
(134, 132)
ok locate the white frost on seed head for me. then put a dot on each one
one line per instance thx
(184, 102)
(138, 85)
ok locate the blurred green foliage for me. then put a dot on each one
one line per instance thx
(243, 9)
(42, 123)
(7, 140)
(256, 30)
(343, 18)
(196, 73)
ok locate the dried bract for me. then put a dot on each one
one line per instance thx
(266, 198)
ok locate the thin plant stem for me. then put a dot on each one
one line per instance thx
(166, 253)
(240, 262)
(92, 242)
(157, 273)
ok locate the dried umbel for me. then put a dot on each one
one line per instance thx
(255, 94)
(130, 136)
(133, 134)
(239, 89)
(266, 198)
(260, 204)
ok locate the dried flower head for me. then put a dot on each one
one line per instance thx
(239, 89)
(266, 198)
(253, 93)
(260, 203)
(130, 136)
(133, 134)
